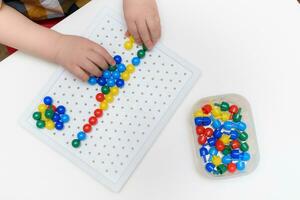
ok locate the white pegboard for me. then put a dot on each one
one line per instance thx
(129, 127)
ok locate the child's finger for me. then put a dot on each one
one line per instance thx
(78, 72)
(90, 67)
(154, 28)
(98, 60)
(134, 32)
(145, 35)
(100, 50)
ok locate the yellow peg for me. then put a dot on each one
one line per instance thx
(42, 108)
(198, 113)
(216, 112)
(130, 68)
(128, 45)
(225, 116)
(49, 125)
(114, 91)
(216, 160)
(125, 76)
(109, 98)
(225, 139)
(131, 39)
(104, 105)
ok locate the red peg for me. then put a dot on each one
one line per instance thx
(208, 132)
(206, 109)
(231, 167)
(87, 128)
(220, 145)
(100, 97)
(200, 130)
(93, 120)
(53, 107)
(235, 144)
(233, 109)
(98, 113)
(202, 139)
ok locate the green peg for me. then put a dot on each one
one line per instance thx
(105, 89)
(36, 115)
(226, 151)
(222, 169)
(244, 146)
(75, 143)
(112, 68)
(237, 117)
(145, 48)
(49, 113)
(51, 107)
(141, 53)
(243, 136)
(224, 106)
(40, 124)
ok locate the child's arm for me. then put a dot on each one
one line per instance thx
(79, 55)
(143, 21)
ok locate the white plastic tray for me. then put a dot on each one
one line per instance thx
(247, 117)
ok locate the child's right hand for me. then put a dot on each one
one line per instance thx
(81, 56)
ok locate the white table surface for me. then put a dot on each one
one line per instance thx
(246, 47)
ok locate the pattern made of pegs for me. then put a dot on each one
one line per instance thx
(49, 116)
(110, 81)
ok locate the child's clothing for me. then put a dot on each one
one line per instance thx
(45, 9)
(41, 11)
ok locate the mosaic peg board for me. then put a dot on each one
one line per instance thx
(133, 121)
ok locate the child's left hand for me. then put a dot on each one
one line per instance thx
(143, 21)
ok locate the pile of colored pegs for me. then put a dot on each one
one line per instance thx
(222, 137)
(50, 116)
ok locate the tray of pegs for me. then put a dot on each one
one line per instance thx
(224, 136)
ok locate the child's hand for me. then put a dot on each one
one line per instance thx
(81, 56)
(143, 21)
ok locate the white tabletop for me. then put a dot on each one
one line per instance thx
(245, 47)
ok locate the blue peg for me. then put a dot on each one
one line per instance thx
(203, 152)
(234, 134)
(211, 141)
(210, 167)
(235, 154)
(217, 133)
(240, 126)
(240, 165)
(92, 80)
(216, 124)
(226, 159)
(212, 152)
(245, 156)
(202, 121)
(228, 125)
